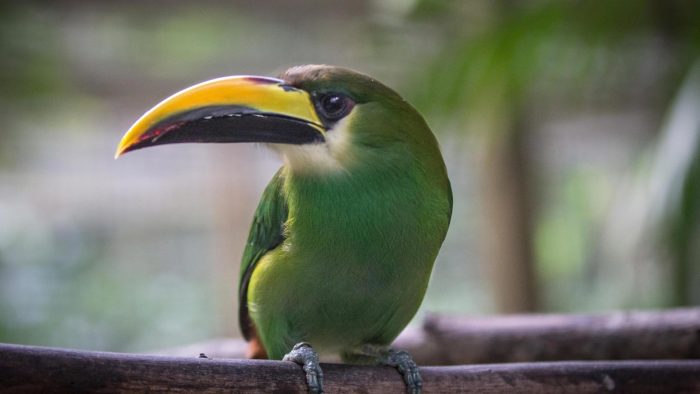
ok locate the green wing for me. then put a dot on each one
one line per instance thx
(266, 233)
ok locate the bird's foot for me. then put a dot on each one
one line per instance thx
(402, 361)
(303, 354)
(399, 359)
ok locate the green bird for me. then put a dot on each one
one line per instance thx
(345, 236)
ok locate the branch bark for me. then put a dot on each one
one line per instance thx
(36, 369)
(669, 334)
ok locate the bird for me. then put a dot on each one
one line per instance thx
(345, 236)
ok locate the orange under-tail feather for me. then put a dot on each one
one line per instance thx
(255, 347)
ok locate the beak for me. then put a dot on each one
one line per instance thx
(229, 109)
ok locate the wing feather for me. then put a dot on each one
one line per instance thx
(266, 233)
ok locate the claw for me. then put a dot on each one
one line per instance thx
(402, 361)
(399, 359)
(303, 354)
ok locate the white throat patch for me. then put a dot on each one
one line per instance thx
(331, 156)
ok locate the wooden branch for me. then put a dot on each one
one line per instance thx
(36, 369)
(669, 334)
(443, 340)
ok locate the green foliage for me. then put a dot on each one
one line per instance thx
(31, 63)
(531, 59)
(534, 54)
(684, 233)
(677, 165)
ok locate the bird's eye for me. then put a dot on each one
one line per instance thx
(334, 106)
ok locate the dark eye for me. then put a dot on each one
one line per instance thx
(333, 106)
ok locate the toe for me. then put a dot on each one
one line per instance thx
(304, 355)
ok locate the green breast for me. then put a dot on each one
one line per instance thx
(355, 262)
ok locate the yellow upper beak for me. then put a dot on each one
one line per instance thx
(229, 109)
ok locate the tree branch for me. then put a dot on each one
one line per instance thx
(36, 369)
(669, 334)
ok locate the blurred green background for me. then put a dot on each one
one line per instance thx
(571, 131)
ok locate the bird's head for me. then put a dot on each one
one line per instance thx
(321, 118)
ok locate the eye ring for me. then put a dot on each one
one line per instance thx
(334, 106)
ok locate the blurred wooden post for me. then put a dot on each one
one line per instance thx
(233, 204)
(507, 220)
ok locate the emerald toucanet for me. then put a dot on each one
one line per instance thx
(345, 236)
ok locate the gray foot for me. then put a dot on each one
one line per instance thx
(303, 354)
(381, 355)
(402, 361)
